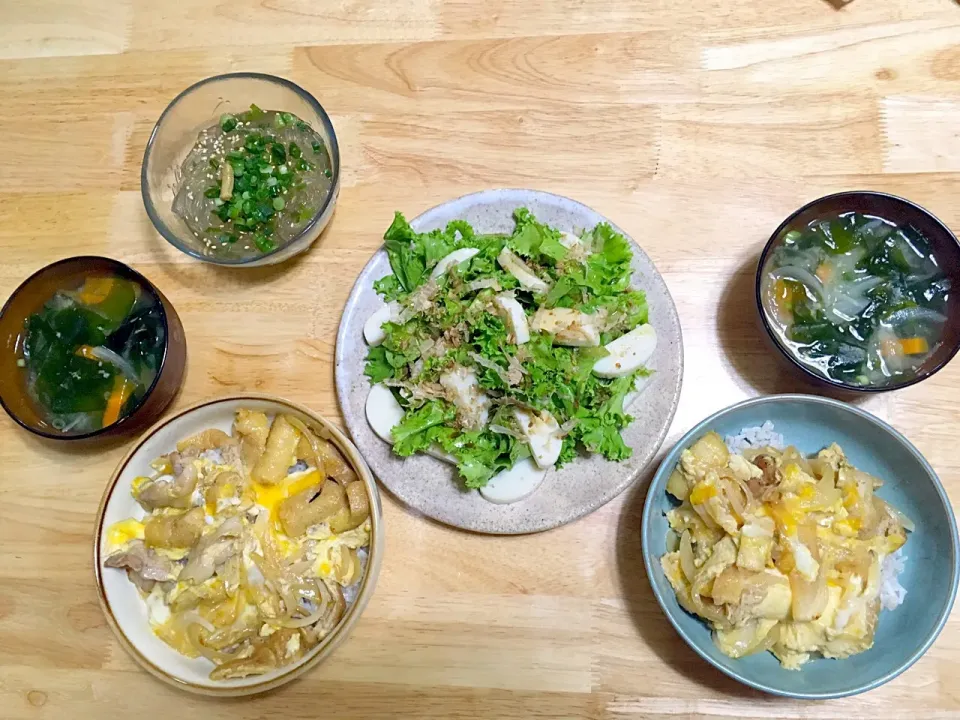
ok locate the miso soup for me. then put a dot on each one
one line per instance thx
(857, 298)
(92, 352)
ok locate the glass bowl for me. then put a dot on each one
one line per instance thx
(904, 213)
(197, 108)
(32, 294)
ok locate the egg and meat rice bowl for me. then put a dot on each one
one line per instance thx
(251, 545)
(781, 552)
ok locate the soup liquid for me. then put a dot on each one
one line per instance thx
(92, 353)
(857, 299)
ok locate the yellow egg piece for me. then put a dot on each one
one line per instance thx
(124, 532)
(162, 465)
(792, 472)
(786, 517)
(702, 492)
(848, 527)
(286, 546)
(174, 634)
(270, 496)
(850, 496)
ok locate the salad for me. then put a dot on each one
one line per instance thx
(506, 354)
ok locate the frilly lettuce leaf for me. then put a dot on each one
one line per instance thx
(458, 317)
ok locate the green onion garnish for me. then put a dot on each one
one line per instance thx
(267, 175)
(264, 244)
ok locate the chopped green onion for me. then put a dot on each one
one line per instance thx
(267, 174)
(263, 244)
(263, 212)
(327, 172)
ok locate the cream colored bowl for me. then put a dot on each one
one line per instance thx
(125, 610)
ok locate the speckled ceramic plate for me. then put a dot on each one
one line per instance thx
(429, 485)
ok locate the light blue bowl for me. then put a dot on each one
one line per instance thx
(910, 484)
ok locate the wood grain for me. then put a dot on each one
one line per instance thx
(696, 126)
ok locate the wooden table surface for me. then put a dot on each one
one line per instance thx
(696, 125)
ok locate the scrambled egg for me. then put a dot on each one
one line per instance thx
(780, 552)
(236, 558)
(121, 534)
(269, 497)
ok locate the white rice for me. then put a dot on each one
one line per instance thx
(213, 455)
(892, 593)
(754, 437)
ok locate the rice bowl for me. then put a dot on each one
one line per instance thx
(779, 551)
(912, 486)
(124, 607)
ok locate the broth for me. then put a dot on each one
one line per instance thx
(92, 353)
(857, 298)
